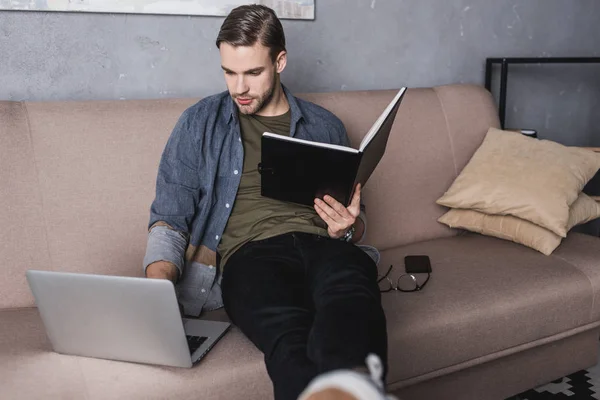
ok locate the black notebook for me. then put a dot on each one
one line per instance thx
(299, 171)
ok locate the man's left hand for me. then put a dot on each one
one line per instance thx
(338, 218)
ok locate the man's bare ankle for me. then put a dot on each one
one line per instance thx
(331, 394)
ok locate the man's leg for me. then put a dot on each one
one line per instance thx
(264, 295)
(349, 321)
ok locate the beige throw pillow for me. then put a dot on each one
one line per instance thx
(535, 180)
(519, 230)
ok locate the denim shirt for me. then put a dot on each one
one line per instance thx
(198, 179)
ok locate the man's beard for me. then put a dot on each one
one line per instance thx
(261, 102)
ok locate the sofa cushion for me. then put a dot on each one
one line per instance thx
(27, 369)
(485, 296)
(97, 164)
(583, 252)
(23, 242)
(233, 369)
(519, 230)
(98, 160)
(536, 180)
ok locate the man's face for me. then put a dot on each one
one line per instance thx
(250, 75)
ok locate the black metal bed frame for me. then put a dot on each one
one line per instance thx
(506, 61)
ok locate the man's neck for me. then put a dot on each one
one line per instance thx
(278, 105)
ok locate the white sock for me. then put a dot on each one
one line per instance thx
(359, 385)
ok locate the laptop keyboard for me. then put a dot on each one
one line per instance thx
(194, 342)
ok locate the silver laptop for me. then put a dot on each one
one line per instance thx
(120, 318)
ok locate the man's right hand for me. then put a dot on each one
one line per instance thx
(162, 270)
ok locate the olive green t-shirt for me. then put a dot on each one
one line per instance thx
(253, 216)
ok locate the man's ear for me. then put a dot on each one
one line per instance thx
(281, 62)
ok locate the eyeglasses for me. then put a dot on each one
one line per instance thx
(404, 283)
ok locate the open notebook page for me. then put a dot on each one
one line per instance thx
(308, 142)
(375, 128)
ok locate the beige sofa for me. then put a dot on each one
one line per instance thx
(497, 318)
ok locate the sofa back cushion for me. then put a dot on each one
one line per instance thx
(22, 227)
(97, 166)
(435, 133)
(78, 178)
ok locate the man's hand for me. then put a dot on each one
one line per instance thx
(162, 270)
(339, 218)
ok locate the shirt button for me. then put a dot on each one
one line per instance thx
(210, 267)
(236, 172)
(240, 139)
(217, 237)
(227, 205)
(203, 290)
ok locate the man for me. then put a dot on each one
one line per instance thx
(292, 279)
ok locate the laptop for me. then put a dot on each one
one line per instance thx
(120, 318)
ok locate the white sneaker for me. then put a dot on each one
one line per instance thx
(359, 385)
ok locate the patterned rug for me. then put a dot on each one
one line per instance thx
(582, 385)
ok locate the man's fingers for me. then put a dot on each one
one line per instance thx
(328, 220)
(331, 213)
(337, 217)
(337, 207)
(355, 204)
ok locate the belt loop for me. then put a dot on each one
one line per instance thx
(297, 239)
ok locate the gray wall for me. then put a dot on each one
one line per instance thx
(352, 44)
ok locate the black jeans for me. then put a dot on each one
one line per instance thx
(311, 304)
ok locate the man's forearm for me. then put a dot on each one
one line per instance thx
(165, 254)
(162, 270)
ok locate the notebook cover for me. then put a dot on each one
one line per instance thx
(299, 173)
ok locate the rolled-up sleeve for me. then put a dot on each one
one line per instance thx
(165, 244)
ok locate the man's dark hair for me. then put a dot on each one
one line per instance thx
(246, 25)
